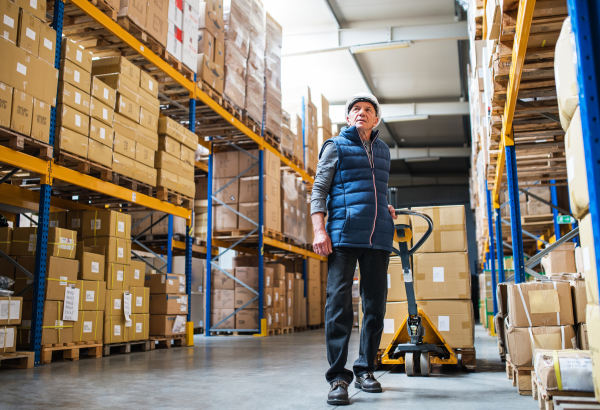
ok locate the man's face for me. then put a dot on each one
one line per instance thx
(362, 116)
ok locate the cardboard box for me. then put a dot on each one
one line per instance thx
(135, 10)
(187, 155)
(117, 250)
(72, 142)
(22, 281)
(212, 21)
(148, 120)
(168, 162)
(120, 83)
(40, 127)
(247, 319)
(224, 218)
(248, 275)
(206, 44)
(10, 19)
(140, 299)
(119, 65)
(89, 326)
(226, 164)
(171, 128)
(395, 313)
(578, 293)
(76, 54)
(140, 326)
(582, 337)
(107, 223)
(249, 189)
(217, 315)
(10, 310)
(168, 304)
(165, 325)
(92, 294)
(114, 302)
(442, 276)
(396, 288)
(29, 33)
(125, 127)
(219, 54)
(222, 298)
(244, 295)
(54, 329)
(453, 319)
(540, 304)
(521, 347)
(268, 297)
(124, 146)
(47, 44)
(101, 112)
(123, 165)
(61, 242)
(156, 22)
(6, 98)
(221, 281)
(103, 93)
(6, 240)
(115, 330)
(449, 232)
(116, 276)
(91, 262)
(137, 275)
(210, 73)
(560, 260)
(100, 153)
(169, 145)
(589, 259)
(74, 97)
(22, 112)
(8, 339)
(57, 220)
(128, 108)
(144, 155)
(75, 75)
(165, 283)
(268, 277)
(147, 138)
(74, 120)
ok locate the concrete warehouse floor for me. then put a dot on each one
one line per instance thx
(282, 372)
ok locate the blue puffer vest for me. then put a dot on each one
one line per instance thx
(357, 203)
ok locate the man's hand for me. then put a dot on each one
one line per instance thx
(322, 243)
(392, 212)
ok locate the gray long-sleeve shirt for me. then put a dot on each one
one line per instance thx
(325, 172)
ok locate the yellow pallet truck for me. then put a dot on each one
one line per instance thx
(417, 343)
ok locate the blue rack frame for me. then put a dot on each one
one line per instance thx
(491, 239)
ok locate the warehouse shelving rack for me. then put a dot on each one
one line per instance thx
(585, 21)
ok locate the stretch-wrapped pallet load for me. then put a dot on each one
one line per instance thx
(175, 29)
(211, 45)
(297, 102)
(189, 53)
(255, 67)
(237, 45)
(324, 129)
(273, 43)
(176, 157)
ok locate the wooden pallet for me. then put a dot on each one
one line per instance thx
(17, 360)
(165, 342)
(575, 403)
(231, 233)
(273, 234)
(165, 194)
(211, 92)
(23, 143)
(310, 172)
(126, 347)
(315, 327)
(547, 399)
(106, 8)
(273, 332)
(520, 376)
(253, 124)
(299, 329)
(71, 351)
(287, 330)
(177, 65)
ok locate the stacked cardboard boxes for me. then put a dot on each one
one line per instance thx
(273, 112)
(92, 293)
(247, 318)
(136, 117)
(175, 29)
(13, 324)
(324, 295)
(61, 280)
(196, 302)
(295, 100)
(29, 80)
(189, 52)
(324, 122)
(168, 303)
(486, 307)
(276, 311)
(222, 295)
(211, 45)
(291, 136)
(255, 72)
(294, 207)
(237, 44)
(313, 292)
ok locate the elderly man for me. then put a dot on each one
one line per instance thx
(351, 186)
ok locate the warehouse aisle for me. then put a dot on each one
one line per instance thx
(283, 372)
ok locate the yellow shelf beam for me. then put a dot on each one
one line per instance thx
(202, 166)
(524, 18)
(292, 248)
(195, 248)
(28, 199)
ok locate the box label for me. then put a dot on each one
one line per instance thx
(120, 253)
(89, 295)
(74, 223)
(76, 76)
(120, 275)
(30, 33)
(105, 93)
(543, 301)
(438, 274)
(179, 325)
(183, 308)
(150, 85)
(14, 308)
(87, 327)
(58, 323)
(388, 326)
(136, 274)
(95, 267)
(77, 120)
(53, 224)
(138, 328)
(10, 22)
(77, 98)
(268, 281)
(79, 56)
(66, 243)
(182, 279)
(105, 113)
(389, 281)
(70, 311)
(102, 133)
(48, 44)
(63, 280)
(98, 223)
(33, 4)
(443, 323)
(21, 69)
(139, 300)
(121, 226)
(117, 304)
(117, 330)
(170, 282)
(571, 371)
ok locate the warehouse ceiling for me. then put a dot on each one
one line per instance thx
(421, 64)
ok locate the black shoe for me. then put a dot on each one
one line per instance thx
(338, 393)
(368, 383)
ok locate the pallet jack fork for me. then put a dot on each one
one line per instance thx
(417, 343)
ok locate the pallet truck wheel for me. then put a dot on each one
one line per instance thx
(410, 364)
(425, 364)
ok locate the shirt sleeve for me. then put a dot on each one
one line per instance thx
(325, 172)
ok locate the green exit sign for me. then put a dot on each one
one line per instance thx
(565, 219)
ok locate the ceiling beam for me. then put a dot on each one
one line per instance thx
(398, 111)
(429, 152)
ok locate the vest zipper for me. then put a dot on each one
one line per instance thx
(374, 185)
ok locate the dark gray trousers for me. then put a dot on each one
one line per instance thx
(373, 264)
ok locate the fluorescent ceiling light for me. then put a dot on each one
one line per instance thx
(400, 118)
(422, 159)
(379, 46)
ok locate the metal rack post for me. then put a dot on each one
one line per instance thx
(499, 245)
(261, 229)
(208, 284)
(189, 235)
(554, 200)
(515, 214)
(492, 256)
(585, 15)
(170, 245)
